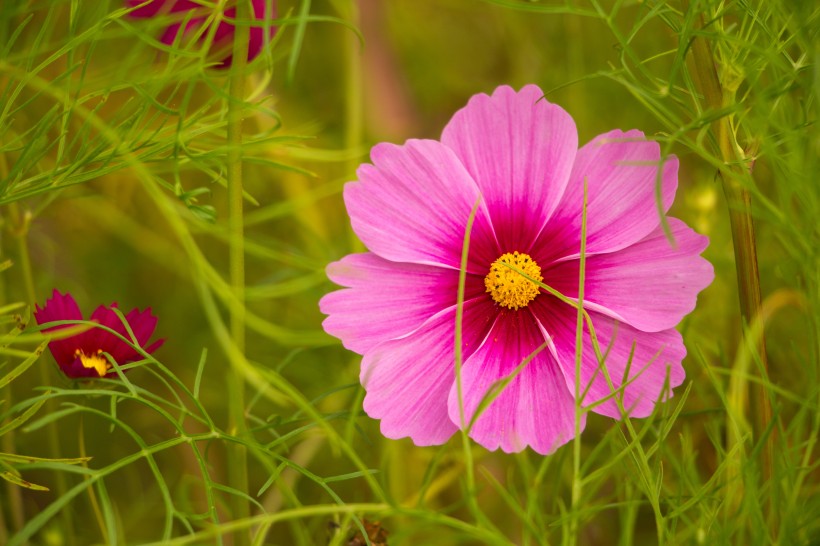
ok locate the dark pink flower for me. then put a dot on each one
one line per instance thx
(81, 355)
(259, 34)
(516, 155)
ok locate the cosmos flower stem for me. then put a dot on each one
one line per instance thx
(20, 222)
(354, 103)
(95, 505)
(459, 361)
(13, 492)
(237, 455)
(577, 479)
(234, 182)
(737, 178)
(639, 455)
(15, 497)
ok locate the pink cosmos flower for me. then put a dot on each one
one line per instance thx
(224, 32)
(517, 155)
(81, 355)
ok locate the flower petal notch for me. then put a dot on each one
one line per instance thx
(516, 156)
(86, 355)
(190, 18)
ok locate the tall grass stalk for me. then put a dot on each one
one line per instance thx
(458, 353)
(237, 455)
(577, 478)
(15, 497)
(20, 223)
(354, 97)
(736, 178)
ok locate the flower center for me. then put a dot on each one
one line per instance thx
(96, 361)
(508, 287)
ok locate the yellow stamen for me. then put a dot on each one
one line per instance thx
(508, 287)
(96, 361)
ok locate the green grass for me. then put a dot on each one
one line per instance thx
(130, 171)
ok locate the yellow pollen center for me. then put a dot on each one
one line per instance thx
(96, 361)
(508, 287)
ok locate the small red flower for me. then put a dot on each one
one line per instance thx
(223, 36)
(82, 355)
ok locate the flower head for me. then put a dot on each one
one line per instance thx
(84, 355)
(201, 14)
(517, 156)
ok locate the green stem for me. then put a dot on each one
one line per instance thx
(459, 361)
(736, 177)
(577, 479)
(354, 126)
(237, 455)
(20, 223)
(92, 497)
(15, 499)
(19, 226)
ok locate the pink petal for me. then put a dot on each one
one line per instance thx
(260, 35)
(385, 300)
(621, 172)
(413, 203)
(656, 355)
(154, 346)
(142, 323)
(60, 307)
(407, 379)
(121, 351)
(519, 148)
(535, 409)
(257, 33)
(649, 285)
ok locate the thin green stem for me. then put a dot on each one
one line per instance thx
(14, 495)
(577, 481)
(459, 360)
(354, 126)
(237, 453)
(15, 498)
(234, 174)
(354, 108)
(95, 505)
(19, 227)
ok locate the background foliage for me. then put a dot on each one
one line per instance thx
(113, 155)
